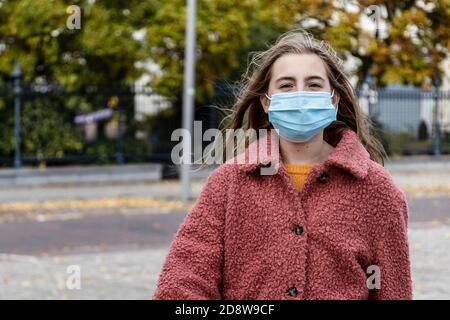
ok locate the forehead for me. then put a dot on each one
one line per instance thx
(299, 65)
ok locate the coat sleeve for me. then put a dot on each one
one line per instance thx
(193, 266)
(391, 249)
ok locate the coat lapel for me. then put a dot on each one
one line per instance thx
(349, 154)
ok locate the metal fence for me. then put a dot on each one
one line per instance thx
(95, 124)
(410, 121)
(92, 125)
(122, 124)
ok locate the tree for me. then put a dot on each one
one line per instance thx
(412, 40)
(103, 52)
(222, 30)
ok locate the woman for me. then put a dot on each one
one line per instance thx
(328, 224)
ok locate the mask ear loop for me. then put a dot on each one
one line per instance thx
(268, 96)
(337, 107)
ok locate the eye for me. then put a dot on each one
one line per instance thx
(315, 85)
(286, 85)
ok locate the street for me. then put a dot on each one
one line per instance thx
(120, 228)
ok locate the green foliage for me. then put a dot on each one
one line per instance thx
(47, 133)
(415, 41)
(102, 52)
(104, 49)
(222, 30)
(6, 130)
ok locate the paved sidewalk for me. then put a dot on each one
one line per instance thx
(130, 274)
(417, 176)
(76, 174)
(430, 260)
(162, 190)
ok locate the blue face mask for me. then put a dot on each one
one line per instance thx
(299, 116)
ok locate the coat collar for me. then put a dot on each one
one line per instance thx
(348, 154)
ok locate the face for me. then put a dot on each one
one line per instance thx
(298, 72)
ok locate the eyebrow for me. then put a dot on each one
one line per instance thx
(314, 77)
(285, 78)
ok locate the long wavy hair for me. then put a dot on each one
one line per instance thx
(248, 112)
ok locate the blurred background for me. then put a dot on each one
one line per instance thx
(91, 91)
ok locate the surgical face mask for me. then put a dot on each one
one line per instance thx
(299, 116)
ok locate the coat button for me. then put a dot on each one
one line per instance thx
(298, 230)
(323, 177)
(292, 292)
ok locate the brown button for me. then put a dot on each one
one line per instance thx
(323, 177)
(292, 292)
(298, 230)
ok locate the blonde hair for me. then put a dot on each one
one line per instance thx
(248, 112)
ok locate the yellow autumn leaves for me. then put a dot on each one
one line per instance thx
(94, 203)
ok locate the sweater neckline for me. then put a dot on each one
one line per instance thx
(298, 167)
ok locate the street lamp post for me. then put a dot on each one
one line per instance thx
(17, 74)
(188, 99)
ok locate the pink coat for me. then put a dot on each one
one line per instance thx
(253, 236)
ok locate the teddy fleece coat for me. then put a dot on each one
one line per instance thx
(253, 236)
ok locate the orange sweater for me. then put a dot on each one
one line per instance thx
(298, 173)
